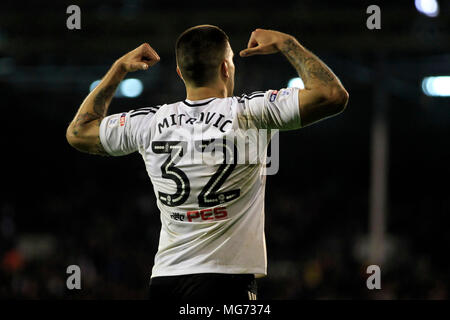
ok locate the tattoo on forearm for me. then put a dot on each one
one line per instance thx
(307, 64)
(99, 108)
(95, 113)
(102, 97)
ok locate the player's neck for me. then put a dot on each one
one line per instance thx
(201, 93)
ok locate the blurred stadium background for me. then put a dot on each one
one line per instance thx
(370, 186)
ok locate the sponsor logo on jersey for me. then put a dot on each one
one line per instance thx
(177, 216)
(207, 214)
(273, 95)
(122, 119)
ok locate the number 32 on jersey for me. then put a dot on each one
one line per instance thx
(210, 195)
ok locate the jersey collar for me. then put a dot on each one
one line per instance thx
(198, 103)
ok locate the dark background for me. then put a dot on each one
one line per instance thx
(60, 207)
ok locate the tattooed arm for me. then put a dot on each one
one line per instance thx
(83, 131)
(323, 95)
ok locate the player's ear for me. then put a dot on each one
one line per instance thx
(224, 69)
(179, 73)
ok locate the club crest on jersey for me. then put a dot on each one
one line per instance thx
(122, 119)
(273, 95)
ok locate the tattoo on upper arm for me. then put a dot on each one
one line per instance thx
(98, 148)
(307, 65)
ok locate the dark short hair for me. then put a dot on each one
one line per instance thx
(199, 51)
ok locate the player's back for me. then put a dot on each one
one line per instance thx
(211, 199)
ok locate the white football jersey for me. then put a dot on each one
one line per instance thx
(209, 189)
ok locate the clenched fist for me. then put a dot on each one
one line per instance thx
(264, 42)
(139, 59)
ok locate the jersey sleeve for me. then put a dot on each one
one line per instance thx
(272, 109)
(122, 133)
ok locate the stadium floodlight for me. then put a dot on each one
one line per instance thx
(429, 8)
(131, 88)
(438, 86)
(296, 83)
(93, 85)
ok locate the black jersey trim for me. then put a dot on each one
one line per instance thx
(142, 113)
(197, 104)
(146, 109)
(250, 97)
(254, 92)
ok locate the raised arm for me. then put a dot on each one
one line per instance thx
(83, 131)
(324, 95)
